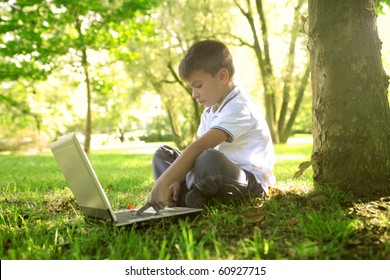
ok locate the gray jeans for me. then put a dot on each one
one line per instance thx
(213, 174)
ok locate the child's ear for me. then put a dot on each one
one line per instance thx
(224, 75)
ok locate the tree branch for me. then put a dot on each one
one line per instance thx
(241, 40)
(177, 78)
(264, 33)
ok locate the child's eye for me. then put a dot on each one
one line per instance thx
(199, 86)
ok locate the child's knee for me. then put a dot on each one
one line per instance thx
(166, 152)
(210, 159)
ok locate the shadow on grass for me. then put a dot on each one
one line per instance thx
(326, 223)
(39, 219)
(322, 223)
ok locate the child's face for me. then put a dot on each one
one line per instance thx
(209, 90)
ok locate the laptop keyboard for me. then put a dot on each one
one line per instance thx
(127, 214)
(131, 214)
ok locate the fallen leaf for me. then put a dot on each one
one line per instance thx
(110, 188)
(63, 206)
(274, 192)
(130, 206)
(291, 222)
(254, 216)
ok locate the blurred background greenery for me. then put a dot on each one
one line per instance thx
(107, 69)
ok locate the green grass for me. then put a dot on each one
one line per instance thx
(40, 219)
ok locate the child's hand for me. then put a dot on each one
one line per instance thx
(175, 193)
(160, 197)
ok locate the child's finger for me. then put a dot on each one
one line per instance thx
(143, 208)
(176, 194)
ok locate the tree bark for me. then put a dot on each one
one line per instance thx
(88, 126)
(84, 64)
(285, 133)
(195, 121)
(351, 115)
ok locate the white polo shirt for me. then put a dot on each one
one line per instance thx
(249, 144)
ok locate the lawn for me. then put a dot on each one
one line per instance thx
(40, 219)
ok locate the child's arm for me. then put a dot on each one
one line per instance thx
(160, 194)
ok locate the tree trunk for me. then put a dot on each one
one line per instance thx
(88, 126)
(195, 121)
(280, 128)
(285, 121)
(175, 128)
(351, 116)
(285, 133)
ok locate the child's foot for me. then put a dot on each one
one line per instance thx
(194, 199)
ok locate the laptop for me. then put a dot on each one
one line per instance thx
(88, 192)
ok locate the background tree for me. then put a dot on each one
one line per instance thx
(351, 115)
(35, 33)
(99, 25)
(179, 24)
(282, 95)
(26, 56)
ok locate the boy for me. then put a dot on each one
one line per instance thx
(233, 154)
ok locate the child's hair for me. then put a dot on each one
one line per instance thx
(209, 56)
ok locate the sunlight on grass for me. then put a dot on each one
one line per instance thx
(39, 218)
(288, 157)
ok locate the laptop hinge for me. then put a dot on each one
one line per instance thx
(97, 213)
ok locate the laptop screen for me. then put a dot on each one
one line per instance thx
(81, 177)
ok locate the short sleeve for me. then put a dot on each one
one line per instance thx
(235, 120)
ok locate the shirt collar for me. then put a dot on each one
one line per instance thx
(235, 91)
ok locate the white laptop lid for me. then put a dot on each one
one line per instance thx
(81, 177)
(88, 191)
